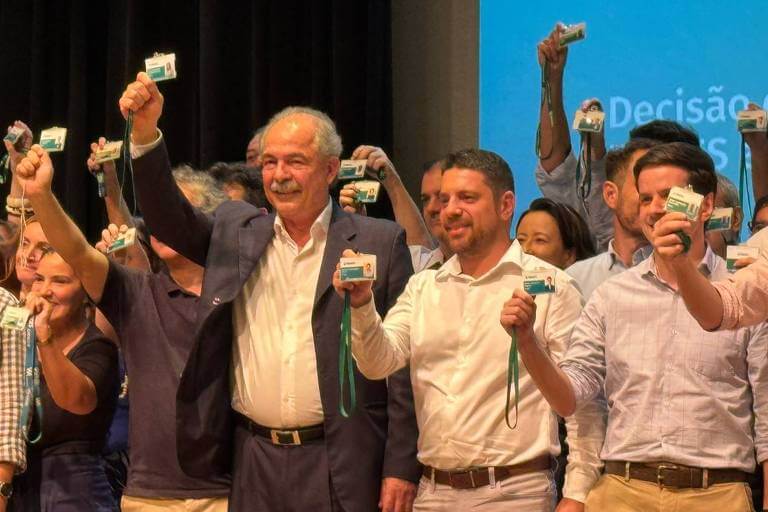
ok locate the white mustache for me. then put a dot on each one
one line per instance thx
(284, 187)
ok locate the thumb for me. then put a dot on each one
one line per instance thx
(348, 253)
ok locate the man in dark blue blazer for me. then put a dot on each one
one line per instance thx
(268, 328)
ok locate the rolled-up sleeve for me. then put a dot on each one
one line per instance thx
(745, 295)
(12, 446)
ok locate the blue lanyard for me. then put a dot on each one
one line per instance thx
(32, 394)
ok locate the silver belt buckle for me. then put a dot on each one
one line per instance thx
(660, 472)
(275, 436)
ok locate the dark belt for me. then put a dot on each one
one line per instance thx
(480, 477)
(283, 437)
(667, 474)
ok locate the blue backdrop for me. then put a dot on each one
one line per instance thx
(694, 62)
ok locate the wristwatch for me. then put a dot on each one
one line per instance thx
(6, 489)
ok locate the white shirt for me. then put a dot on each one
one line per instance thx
(446, 324)
(274, 366)
(424, 257)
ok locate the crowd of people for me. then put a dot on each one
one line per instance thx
(203, 367)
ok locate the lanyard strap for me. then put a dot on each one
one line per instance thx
(346, 365)
(513, 375)
(101, 183)
(744, 180)
(584, 183)
(127, 163)
(546, 97)
(32, 397)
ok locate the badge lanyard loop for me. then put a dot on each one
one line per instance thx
(32, 397)
(127, 163)
(546, 97)
(513, 375)
(346, 365)
(584, 184)
(744, 180)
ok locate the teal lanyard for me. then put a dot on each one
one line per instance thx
(32, 396)
(346, 365)
(584, 184)
(744, 180)
(513, 375)
(546, 97)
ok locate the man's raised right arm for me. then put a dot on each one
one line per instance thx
(169, 216)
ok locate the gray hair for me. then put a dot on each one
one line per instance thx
(206, 192)
(327, 139)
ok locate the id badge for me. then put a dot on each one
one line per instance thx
(539, 282)
(685, 201)
(358, 268)
(161, 66)
(123, 241)
(110, 151)
(352, 169)
(53, 139)
(367, 191)
(737, 252)
(720, 220)
(14, 317)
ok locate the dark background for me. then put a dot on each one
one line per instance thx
(67, 63)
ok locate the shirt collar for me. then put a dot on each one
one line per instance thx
(320, 226)
(638, 256)
(513, 257)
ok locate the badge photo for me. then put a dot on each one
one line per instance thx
(358, 268)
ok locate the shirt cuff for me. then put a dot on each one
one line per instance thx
(577, 485)
(565, 171)
(139, 150)
(363, 320)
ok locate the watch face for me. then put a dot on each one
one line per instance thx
(6, 490)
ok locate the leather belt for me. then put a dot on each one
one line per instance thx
(480, 477)
(667, 474)
(283, 437)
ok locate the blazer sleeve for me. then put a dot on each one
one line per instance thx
(402, 433)
(169, 216)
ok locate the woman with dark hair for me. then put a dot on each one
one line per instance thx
(554, 232)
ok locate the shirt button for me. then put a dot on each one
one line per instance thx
(216, 301)
(674, 332)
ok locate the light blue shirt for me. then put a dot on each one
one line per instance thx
(590, 273)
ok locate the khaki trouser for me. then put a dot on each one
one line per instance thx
(530, 492)
(134, 504)
(614, 494)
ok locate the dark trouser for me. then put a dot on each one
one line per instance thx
(271, 478)
(62, 483)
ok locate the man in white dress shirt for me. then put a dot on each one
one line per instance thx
(446, 325)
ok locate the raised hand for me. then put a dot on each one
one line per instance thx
(518, 315)
(550, 53)
(35, 171)
(143, 98)
(359, 291)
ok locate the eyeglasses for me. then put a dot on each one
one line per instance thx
(754, 227)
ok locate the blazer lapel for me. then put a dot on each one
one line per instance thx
(341, 232)
(252, 242)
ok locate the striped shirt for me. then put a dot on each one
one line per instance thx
(12, 449)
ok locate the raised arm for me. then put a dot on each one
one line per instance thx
(758, 146)
(407, 214)
(168, 214)
(35, 173)
(70, 388)
(555, 141)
